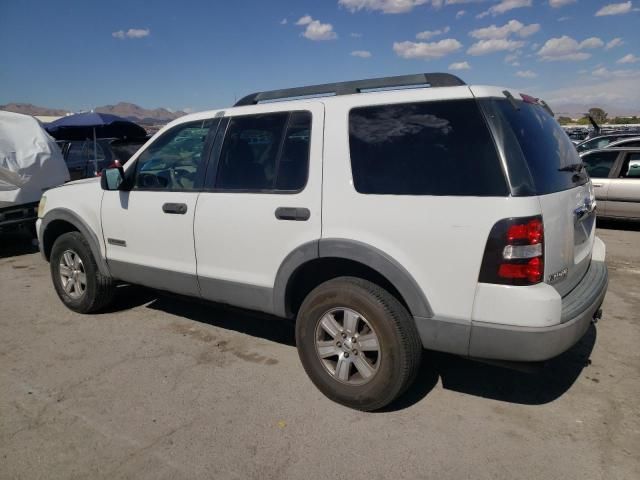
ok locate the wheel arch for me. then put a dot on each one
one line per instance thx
(61, 220)
(315, 262)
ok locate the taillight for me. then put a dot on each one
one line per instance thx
(514, 254)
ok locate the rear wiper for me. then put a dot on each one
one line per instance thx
(574, 167)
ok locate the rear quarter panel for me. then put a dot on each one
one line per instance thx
(439, 240)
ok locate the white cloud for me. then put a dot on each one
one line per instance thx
(560, 3)
(484, 47)
(564, 19)
(526, 74)
(504, 6)
(427, 34)
(592, 42)
(361, 53)
(460, 14)
(426, 51)
(511, 27)
(614, 9)
(132, 33)
(603, 72)
(512, 59)
(622, 92)
(460, 66)
(283, 21)
(315, 30)
(567, 48)
(630, 58)
(306, 20)
(616, 42)
(384, 6)
(355, 35)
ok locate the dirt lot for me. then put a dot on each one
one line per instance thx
(163, 387)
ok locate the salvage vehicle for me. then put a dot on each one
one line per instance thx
(615, 174)
(383, 219)
(30, 163)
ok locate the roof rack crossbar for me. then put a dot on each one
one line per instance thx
(356, 86)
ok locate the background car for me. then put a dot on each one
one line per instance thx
(601, 141)
(615, 174)
(79, 154)
(631, 142)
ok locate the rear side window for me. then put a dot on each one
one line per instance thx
(425, 148)
(534, 141)
(631, 166)
(265, 152)
(599, 164)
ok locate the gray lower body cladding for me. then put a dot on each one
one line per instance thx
(522, 344)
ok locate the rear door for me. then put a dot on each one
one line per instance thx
(261, 201)
(624, 191)
(600, 165)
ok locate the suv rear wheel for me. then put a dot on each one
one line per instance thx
(76, 277)
(357, 343)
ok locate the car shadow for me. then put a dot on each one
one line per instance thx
(611, 224)
(533, 384)
(14, 244)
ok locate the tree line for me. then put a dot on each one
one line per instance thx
(600, 116)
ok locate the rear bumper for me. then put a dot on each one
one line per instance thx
(516, 343)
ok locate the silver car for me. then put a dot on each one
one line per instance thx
(615, 174)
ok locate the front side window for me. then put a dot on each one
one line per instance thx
(631, 166)
(426, 148)
(175, 161)
(599, 164)
(265, 152)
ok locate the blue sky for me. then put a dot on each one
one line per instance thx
(197, 54)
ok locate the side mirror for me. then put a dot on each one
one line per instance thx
(112, 178)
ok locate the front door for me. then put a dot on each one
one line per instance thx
(148, 230)
(624, 191)
(261, 201)
(599, 165)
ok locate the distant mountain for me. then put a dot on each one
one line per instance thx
(28, 109)
(127, 110)
(137, 113)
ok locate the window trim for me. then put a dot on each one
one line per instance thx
(131, 172)
(216, 152)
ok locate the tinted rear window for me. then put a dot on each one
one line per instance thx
(533, 139)
(426, 148)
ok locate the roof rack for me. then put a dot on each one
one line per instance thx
(355, 86)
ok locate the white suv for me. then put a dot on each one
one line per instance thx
(449, 217)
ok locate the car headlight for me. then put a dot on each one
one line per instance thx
(41, 205)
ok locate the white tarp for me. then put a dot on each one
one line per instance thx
(30, 160)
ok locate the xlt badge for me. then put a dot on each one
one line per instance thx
(554, 277)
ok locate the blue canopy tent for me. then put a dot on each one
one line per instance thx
(83, 126)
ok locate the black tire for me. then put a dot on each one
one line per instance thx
(99, 289)
(400, 348)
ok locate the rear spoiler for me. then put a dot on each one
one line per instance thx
(528, 99)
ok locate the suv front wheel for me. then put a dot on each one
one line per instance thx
(358, 343)
(76, 277)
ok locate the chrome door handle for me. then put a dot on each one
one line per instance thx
(596, 185)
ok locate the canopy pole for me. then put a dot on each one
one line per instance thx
(95, 153)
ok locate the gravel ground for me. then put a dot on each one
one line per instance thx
(164, 387)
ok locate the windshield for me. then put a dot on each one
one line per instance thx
(540, 156)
